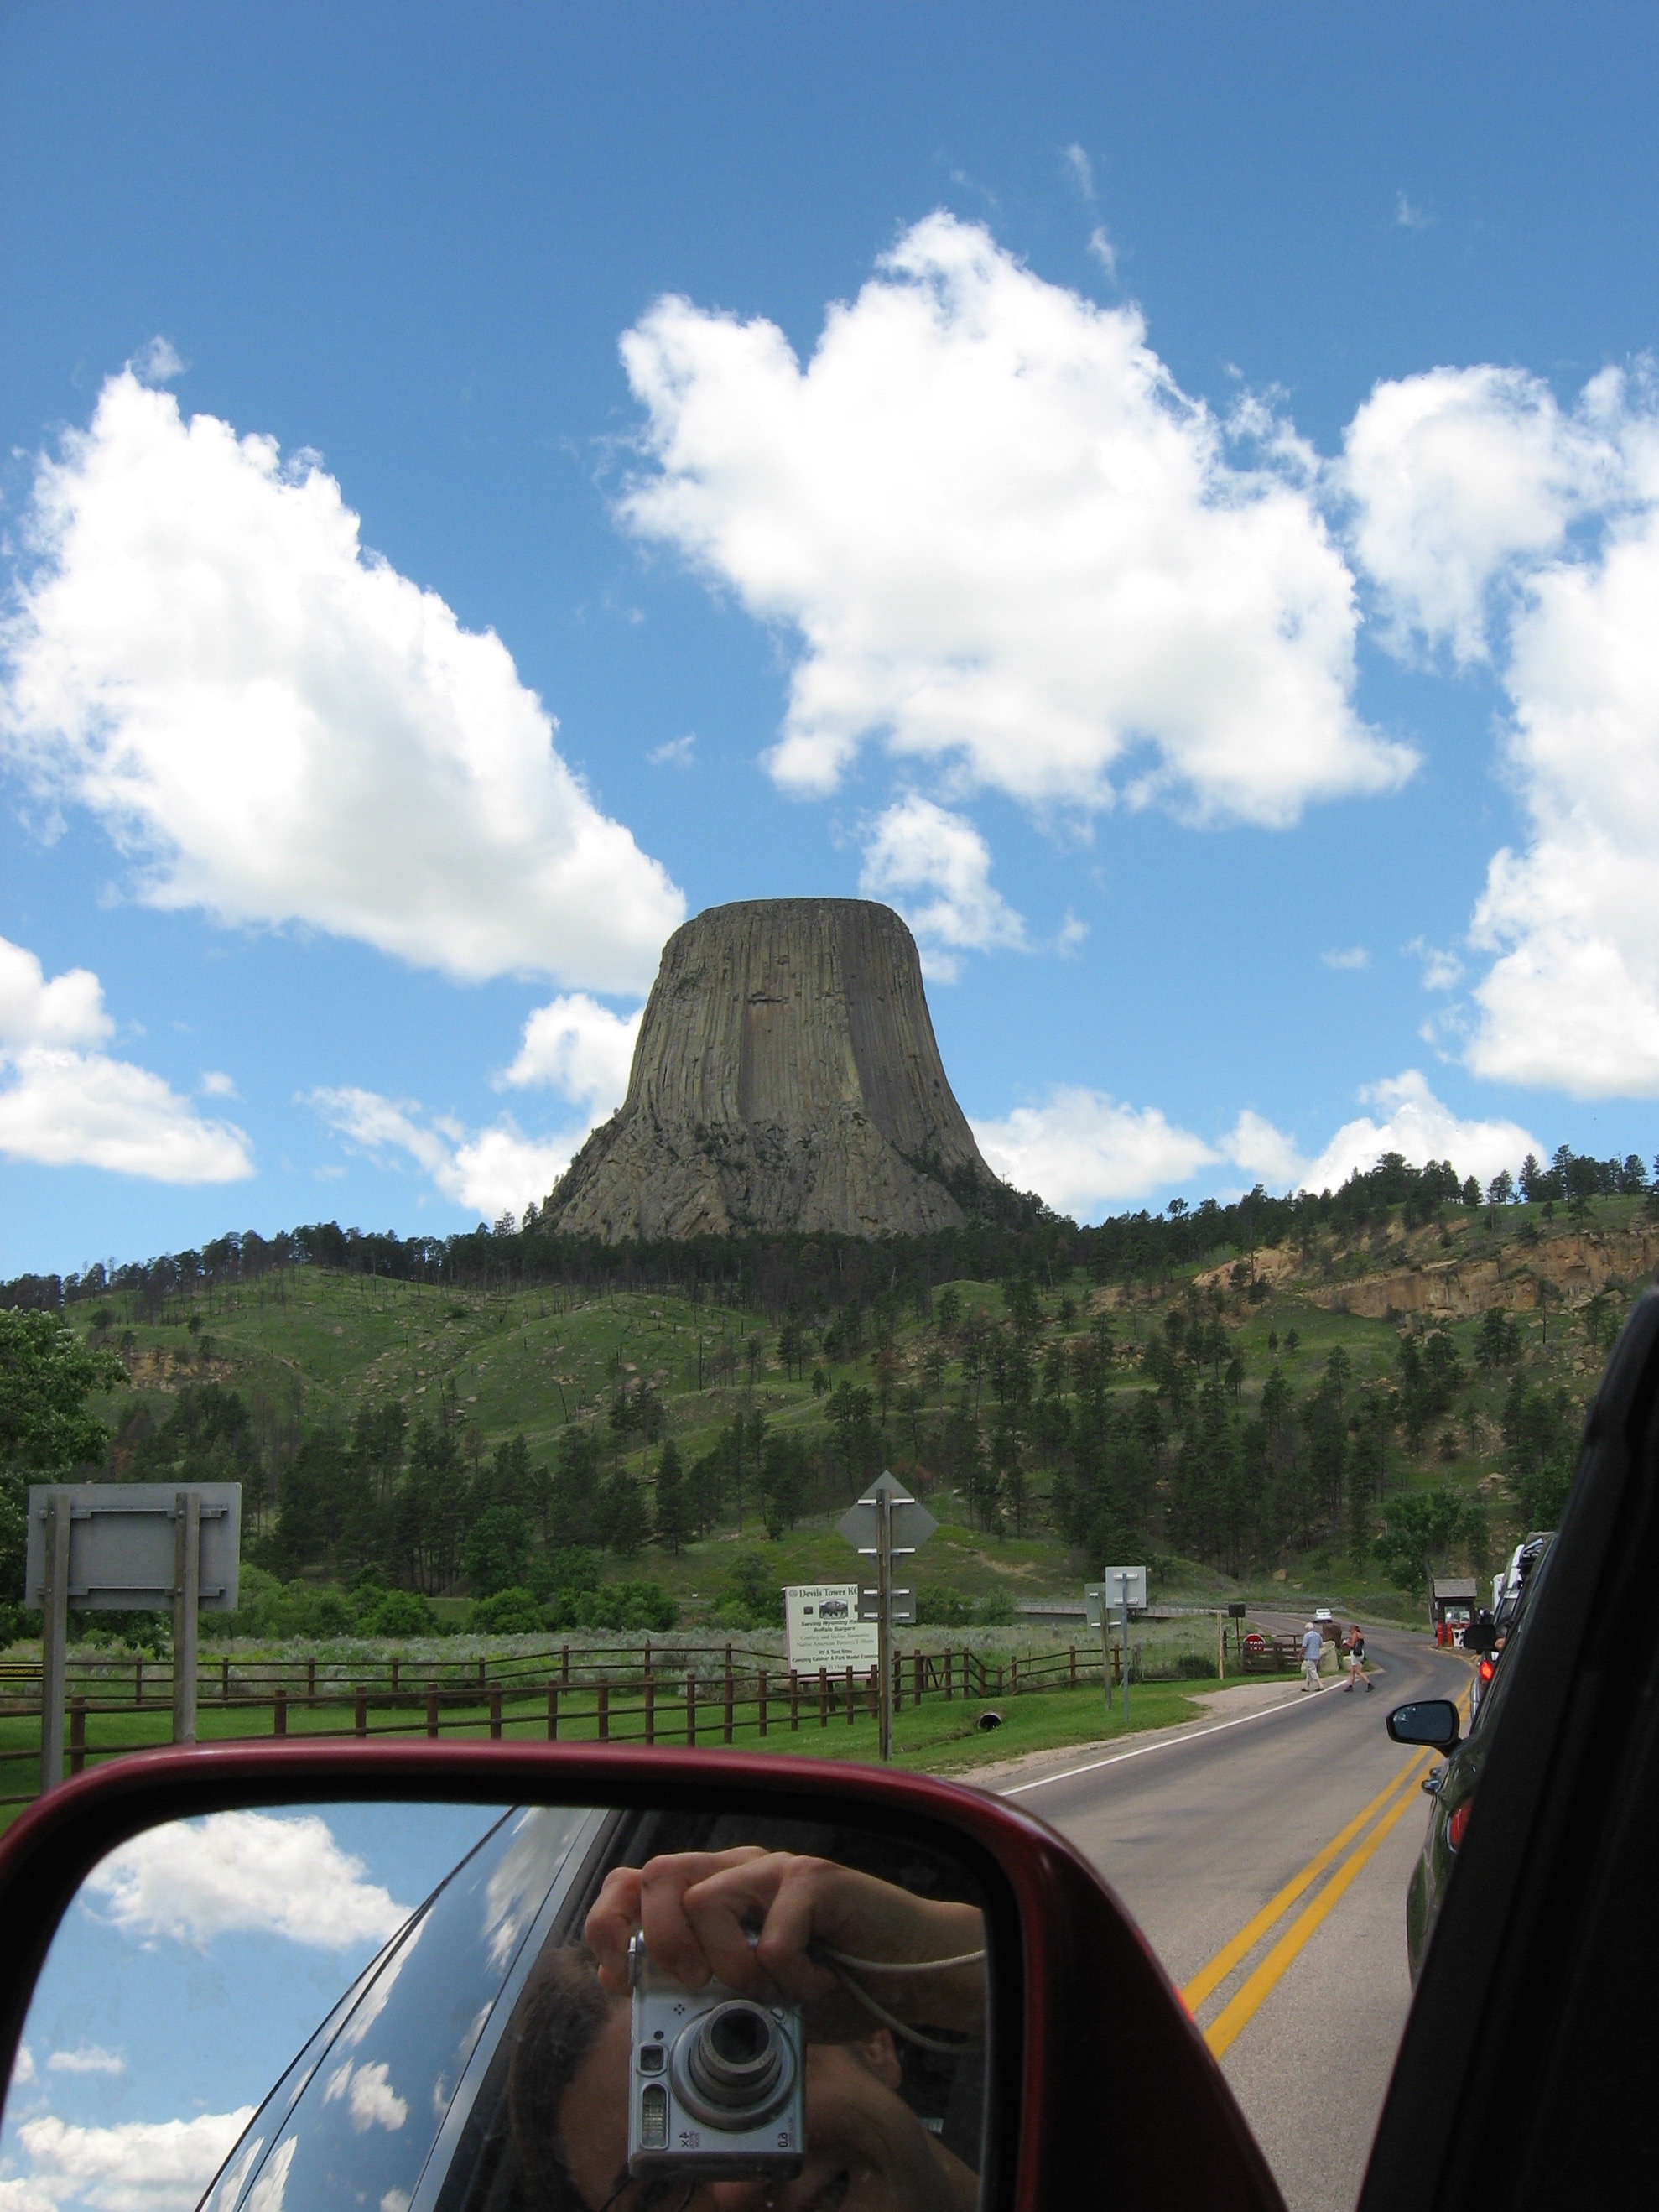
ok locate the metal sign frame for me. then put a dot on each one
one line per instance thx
(128, 1547)
(885, 1525)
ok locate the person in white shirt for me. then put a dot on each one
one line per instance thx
(1313, 1642)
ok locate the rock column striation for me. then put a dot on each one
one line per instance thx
(786, 1077)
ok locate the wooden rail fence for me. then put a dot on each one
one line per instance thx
(611, 1694)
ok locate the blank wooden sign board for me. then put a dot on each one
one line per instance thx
(128, 1546)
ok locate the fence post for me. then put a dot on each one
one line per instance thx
(1014, 1664)
(691, 1709)
(564, 1666)
(794, 1699)
(137, 1681)
(898, 1682)
(279, 1711)
(432, 1709)
(650, 1700)
(727, 1733)
(823, 1697)
(397, 1673)
(601, 1711)
(311, 1681)
(918, 1677)
(359, 1720)
(224, 1681)
(494, 1712)
(482, 1665)
(875, 1691)
(849, 1698)
(77, 1742)
(552, 1712)
(950, 1659)
(1073, 1677)
(760, 1702)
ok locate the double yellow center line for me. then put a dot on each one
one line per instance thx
(1385, 1810)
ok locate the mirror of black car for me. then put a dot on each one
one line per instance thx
(1431, 1720)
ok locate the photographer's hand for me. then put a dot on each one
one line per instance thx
(773, 1924)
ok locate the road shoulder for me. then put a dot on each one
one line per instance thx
(1243, 1700)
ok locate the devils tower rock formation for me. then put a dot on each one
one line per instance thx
(785, 1077)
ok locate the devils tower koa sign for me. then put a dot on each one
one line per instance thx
(786, 1077)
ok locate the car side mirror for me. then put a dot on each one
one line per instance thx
(443, 1934)
(1480, 1635)
(1430, 1721)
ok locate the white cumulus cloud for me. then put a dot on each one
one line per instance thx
(935, 867)
(64, 1104)
(370, 2098)
(138, 2166)
(1083, 1151)
(272, 1873)
(86, 2058)
(1515, 528)
(579, 1049)
(280, 727)
(1456, 475)
(1008, 543)
(492, 1171)
(1416, 1124)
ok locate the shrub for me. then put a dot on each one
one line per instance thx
(995, 1610)
(576, 1568)
(495, 1555)
(509, 1612)
(1195, 1667)
(940, 1608)
(397, 1613)
(618, 1605)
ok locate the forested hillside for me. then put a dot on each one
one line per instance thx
(1378, 1384)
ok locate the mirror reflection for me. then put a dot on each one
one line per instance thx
(423, 2008)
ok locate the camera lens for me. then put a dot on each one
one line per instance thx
(737, 2063)
(739, 2038)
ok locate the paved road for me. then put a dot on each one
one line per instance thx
(1200, 1835)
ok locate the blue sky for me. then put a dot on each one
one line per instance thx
(192, 1968)
(1168, 499)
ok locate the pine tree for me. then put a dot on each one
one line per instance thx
(673, 1516)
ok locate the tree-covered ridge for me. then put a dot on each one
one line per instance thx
(1235, 1406)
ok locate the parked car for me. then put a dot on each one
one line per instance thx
(1452, 1787)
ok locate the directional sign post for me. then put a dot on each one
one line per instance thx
(1123, 1587)
(886, 1524)
(133, 1546)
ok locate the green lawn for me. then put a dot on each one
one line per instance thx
(942, 1737)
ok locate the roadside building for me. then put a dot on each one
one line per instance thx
(1452, 1603)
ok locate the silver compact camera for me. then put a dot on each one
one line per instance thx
(716, 2080)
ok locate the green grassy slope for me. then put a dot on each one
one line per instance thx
(309, 1346)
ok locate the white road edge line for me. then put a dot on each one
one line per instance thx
(1267, 1712)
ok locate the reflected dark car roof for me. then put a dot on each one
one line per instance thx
(356, 2118)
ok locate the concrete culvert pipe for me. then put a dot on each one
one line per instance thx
(988, 1721)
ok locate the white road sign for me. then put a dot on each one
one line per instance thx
(824, 1628)
(1111, 1589)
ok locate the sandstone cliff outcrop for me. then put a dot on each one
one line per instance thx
(785, 1077)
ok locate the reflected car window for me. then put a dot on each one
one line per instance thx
(355, 2119)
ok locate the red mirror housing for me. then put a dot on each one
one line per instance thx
(1102, 2087)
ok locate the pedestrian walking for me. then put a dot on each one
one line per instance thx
(1313, 1642)
(1356, 1648)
